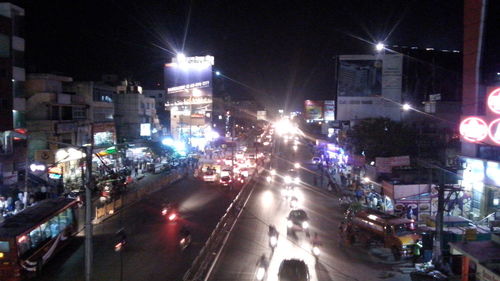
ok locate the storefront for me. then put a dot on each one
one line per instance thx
(480, 259)
(481, 179)
(69, 163)
(103, 134)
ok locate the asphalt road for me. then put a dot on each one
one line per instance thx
(152, 251)
(249, 239)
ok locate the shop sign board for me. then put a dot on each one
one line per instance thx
(261, 115)
(44, 156)
(145, 130)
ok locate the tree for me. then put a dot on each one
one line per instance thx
(382, 137)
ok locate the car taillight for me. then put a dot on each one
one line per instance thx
(164, 211)
(172, 217)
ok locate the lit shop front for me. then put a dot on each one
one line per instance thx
(482, 179)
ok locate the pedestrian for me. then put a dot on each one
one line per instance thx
(416, 251)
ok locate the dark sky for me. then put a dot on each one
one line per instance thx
(279, 49)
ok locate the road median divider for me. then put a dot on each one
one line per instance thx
(204, 263)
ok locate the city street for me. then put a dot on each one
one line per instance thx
(249, 239)
(152, 251)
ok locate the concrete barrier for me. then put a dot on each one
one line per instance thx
(207, 258)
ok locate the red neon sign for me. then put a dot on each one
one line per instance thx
(494, 131)
(494, 101)
(473, 129)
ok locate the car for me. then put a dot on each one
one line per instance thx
(209, 176)
(292, 177)
(316, 160)
(293, 270)
(297, 220)
(225, 181)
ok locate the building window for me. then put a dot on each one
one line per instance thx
(4, 46)
(103, 95)
(66, 113)
(79, 113)
(18, 89)
(18, 58)
(54, 113)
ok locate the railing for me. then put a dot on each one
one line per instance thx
(206, 259)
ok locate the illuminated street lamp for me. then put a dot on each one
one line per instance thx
(406, 107)
(217, 73)
(181, 57)
(379, 47)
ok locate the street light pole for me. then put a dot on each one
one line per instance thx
(88, 213)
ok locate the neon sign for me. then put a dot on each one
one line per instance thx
(494, 131)
(486, 128)
(494, 101)
(473, 129)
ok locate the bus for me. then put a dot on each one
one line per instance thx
(32, 237)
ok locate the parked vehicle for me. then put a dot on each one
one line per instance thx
(368, 225)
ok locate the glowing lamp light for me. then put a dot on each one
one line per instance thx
(494, 101)
(379, 47)
(494, 131)
(473, 129)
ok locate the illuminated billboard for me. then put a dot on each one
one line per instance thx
(187, 73)
(313, 109)
(360, 78)
(484, 129)
(369, 86)
(329, 110)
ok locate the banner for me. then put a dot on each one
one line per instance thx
(329, 110)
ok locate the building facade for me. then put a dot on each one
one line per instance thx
(479, 127)
(188, 81)
(101, 110)
(135, 114)
(12, 95)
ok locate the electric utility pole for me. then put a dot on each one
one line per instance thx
(88, 212)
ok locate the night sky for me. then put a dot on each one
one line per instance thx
(278, 49)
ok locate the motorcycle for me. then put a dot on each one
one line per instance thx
(185, 242)
(119, 246)
(315, 251)
(169, 213)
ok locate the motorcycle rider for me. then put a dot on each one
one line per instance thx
(272, 231)
(263, 261)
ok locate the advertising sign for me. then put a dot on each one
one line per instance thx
(313, 109)
(261, 115)
(484, 129)
(360, 78)
(189, 73)
(44, 156)
(329, 110)
(145, 130)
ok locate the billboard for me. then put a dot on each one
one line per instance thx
(360, 78)
(145, 129)
(189, 73)
(329, 110)
(261, 114)
(313, 109)
(369, 86)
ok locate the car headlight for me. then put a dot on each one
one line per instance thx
(288, 179)
(305, 224)
(296, 180)
(289, 223)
